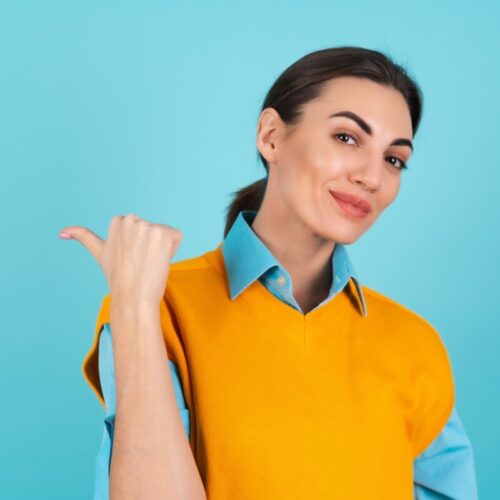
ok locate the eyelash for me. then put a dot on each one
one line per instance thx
(403, 164)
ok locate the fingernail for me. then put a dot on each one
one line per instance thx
(65, 236)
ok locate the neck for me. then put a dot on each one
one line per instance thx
(305, 255)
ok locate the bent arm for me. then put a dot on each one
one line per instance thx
(151, 455)
(107, 379)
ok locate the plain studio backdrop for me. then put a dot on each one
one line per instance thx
(151, 108)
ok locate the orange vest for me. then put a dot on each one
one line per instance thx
(323, 405)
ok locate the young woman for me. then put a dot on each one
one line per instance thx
(286, 378)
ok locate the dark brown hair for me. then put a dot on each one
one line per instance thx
(304, 80)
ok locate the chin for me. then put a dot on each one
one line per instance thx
(345, 236)
(346, 239)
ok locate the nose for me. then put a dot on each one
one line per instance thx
(368, 172)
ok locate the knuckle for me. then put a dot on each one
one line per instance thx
(130, 218)
(177, 236)
(116, 219)
(177, 233)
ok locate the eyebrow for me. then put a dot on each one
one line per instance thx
(365, 127)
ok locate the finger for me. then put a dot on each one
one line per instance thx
(93, 243)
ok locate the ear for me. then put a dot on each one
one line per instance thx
(269, 132)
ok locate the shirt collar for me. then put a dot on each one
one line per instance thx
(247, 258)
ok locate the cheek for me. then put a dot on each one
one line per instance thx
(391, 190)
(302, 166)
(299, 185)
(310, 149)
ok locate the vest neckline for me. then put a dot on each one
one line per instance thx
(259, 297)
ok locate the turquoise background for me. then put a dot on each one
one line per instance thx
(151, 108)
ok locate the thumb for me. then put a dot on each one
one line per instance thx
(93, 243)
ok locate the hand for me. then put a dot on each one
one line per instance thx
(135, 258)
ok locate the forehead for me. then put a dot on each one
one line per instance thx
(383, 107)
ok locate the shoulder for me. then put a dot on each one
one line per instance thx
(395, 320)
(193, 276)
(411, 344)
(190, 264)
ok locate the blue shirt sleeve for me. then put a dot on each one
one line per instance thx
(107, 378)
(445, 469)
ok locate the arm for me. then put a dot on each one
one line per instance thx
(107, 378)
(445, 470)
(152, 458)
(151, 454)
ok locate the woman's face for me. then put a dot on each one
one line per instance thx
(325, 154)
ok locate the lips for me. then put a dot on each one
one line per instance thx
(354, 200)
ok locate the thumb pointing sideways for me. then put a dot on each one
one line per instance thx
(93, 243)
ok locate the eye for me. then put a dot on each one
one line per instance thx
(402, 164)
(344, 135)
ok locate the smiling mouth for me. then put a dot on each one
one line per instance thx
(356, 211)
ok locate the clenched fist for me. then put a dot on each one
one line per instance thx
(135, 258)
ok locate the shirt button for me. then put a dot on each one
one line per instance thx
(281, 280)
(337, 279)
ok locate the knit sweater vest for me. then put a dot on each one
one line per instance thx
(286, 405)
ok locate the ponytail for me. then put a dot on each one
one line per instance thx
(247, 198)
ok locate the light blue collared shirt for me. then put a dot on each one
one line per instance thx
(444, 471)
